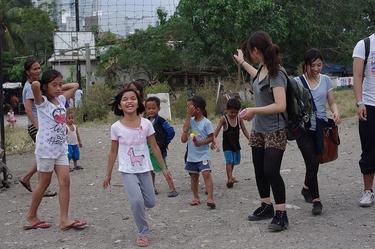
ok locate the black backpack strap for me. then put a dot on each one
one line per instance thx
(367, 49)
(258, 72)
(287, 79)
(304, 83)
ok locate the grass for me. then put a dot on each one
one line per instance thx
(17, 140)
(345, 102)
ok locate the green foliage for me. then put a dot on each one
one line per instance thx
(25, 30)
(203, 35)
(157, 88)
(95, 103)
(15, 72)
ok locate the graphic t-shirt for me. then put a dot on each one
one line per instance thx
(133, 153)
(368, 87)
(200, 130)
(51, 136)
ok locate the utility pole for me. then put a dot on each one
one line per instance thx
(88, 66)
(2, 128)
(78, 66)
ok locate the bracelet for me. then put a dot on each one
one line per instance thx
(242, 62)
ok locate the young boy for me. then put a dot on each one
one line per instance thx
(231, 124)
(164, 134)
(73, 139)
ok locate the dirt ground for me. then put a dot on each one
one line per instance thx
(176, 224)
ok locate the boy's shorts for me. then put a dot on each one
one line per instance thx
(155, 163)
(73, 152)
(48, 164)
(196, 167)
(232, 157)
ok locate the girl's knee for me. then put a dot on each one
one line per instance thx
(206, 175)
(64, 182)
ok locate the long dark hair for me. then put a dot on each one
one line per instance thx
(26, 67)
(310, 56)
(200, 103)
(270, 51)
(117, 100)
(138, 85)
(47, 77)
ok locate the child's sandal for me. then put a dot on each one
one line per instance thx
(142, 241)
(195, 202)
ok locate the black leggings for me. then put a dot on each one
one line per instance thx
(267, 163)
(306, 145)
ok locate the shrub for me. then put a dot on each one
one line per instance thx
(17, 140)
(95, 103)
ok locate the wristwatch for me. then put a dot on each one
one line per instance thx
(359, 103)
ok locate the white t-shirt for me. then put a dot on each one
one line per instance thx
(51, 136)
(133, 152)
(27, 93)
(368, 87)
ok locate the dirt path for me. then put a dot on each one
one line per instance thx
(175, 224)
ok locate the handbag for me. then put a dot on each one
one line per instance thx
(331, 141)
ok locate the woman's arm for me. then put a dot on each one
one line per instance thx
(112, 155)
(333, 107)
(241, 61)
(69, 89)
(29, 112)
(37, 92)
(244, 129)
(278, 106)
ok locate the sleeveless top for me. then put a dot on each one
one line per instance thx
(71, 136)
(231, 136)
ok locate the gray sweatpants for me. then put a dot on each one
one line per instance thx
(141, 194)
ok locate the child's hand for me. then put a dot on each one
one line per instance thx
(80, 145)
(106, 182)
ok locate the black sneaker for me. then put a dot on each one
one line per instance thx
(307, 195)
(279, 222)
(317, 208)
(265, 211)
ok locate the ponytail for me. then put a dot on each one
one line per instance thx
(272, 59)
(270, 51)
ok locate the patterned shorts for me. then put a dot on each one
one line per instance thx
(275, 139)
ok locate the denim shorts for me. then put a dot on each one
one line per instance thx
(196, 167)
(232, 157)
(73, 152)
(48, 164)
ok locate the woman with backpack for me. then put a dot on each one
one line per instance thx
(320, 87)
(268, 136)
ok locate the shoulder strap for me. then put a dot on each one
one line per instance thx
(258, 72)
(304, 83)
(367, 48)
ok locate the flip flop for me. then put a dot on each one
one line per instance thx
(211, 205)
(230, 184)
(27, 186)
(77, 225)
(49, 193)
(40, 224)
(142, 241)
(195, 202)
